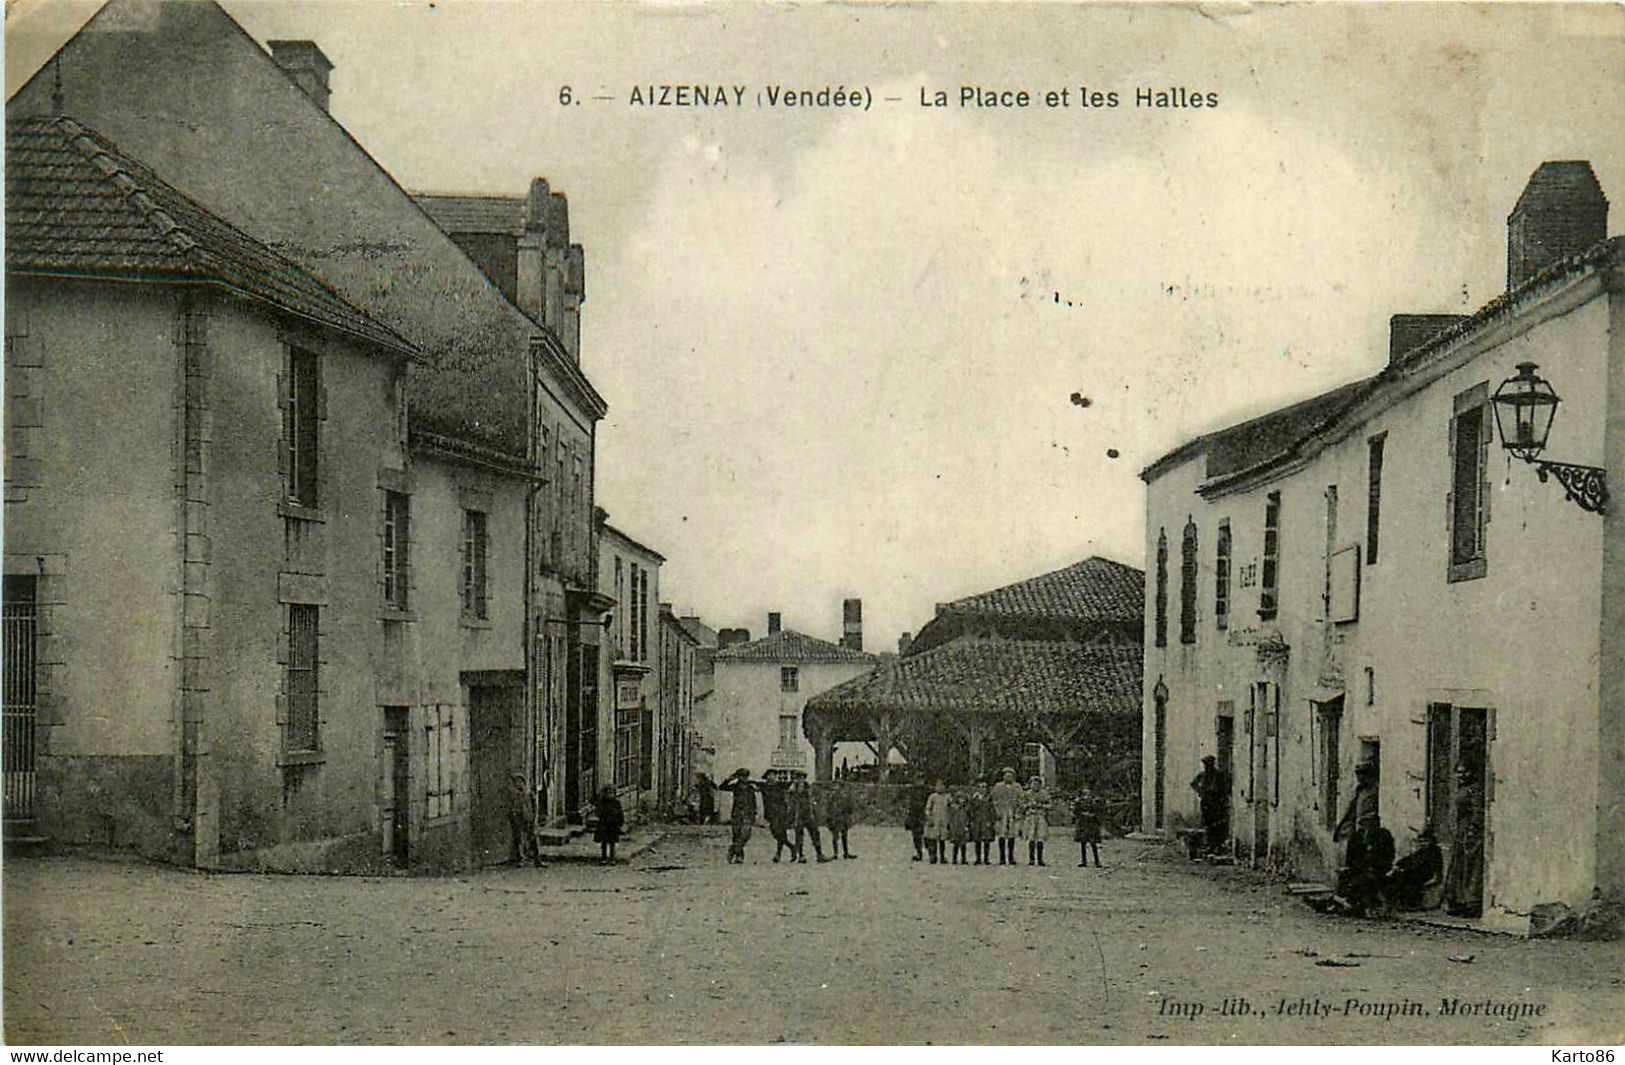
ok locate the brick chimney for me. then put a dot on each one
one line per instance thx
(552, 272)
(306, 65)
(774, 623)
(852, 624)
(1407, 332)
(1561, 213)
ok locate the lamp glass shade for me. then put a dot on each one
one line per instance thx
(1524, 408)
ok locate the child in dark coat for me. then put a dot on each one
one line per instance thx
(1086, 827)
(958, 827)
(611, 820)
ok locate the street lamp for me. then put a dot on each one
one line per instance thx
(1525, 406)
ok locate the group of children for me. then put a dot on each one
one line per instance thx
(947, 821)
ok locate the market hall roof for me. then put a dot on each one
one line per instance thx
(994, 676)
(792, 648)
(1096, 589)
(77, 206)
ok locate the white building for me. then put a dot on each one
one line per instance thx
(754, 713)
(1369, 575)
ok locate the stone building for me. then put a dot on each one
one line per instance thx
(630, 726)
(1370, 576)
(397, 566)
(753, 714)
(678, 741)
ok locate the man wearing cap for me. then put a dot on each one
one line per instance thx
(743, 818)
(522, 822)
(1212, 787)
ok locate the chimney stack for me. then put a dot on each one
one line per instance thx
(773, 621)
(1561, 213)
(904, 642)
(731, 637)
(552, 280)
(306, 65)
(1407, 332)
(852, 624)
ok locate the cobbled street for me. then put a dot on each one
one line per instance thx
(680, 947)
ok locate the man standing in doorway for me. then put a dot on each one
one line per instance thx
(1212, 787)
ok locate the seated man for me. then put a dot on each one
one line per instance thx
(1370, 855)
(1407, 886)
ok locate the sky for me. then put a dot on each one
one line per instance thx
(840, 347)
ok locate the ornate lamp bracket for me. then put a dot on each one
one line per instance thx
(1586, 486)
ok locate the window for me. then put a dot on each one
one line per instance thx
(789, 679)
(1269, 591)
(643, 613)
(635, 651)
(1187, 584)
(1373, 496)
(475, 549)
(303, 678)
(1162, 588)
(300, 421)
(787, 731)
(397, 522)
(1469, 494)
(627, 746)
(1221, 577)
(620, 607)
(439, 750)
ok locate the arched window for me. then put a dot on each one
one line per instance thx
(1162, 587)
(1187, 584)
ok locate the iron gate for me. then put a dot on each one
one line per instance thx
(18, 753)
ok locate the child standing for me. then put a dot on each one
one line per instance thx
(958, 826)
(1086, 827)
(1035, 822)
(611, 819)
(936, 823)
(980, 809)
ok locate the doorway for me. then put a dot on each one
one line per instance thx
(494, 755)
(397, 786)
(1458, 802)
(1224, 749)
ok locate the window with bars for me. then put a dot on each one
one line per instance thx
(1221, 576)
(1187, 584)
(1373, 496)
(303, 678)
(475, 597)
(397, 529)
(1269, 588)
(1162, 589)
(440, 753)
(301, 426)
(789, 679)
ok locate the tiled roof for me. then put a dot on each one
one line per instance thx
(702, 633)
(76, 206)
(1236, 447)
(1019, 677)
(1096, 589)
(474, 214)
(791, 647)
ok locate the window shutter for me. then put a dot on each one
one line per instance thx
(321, 403)
(284, 403)
(1449, 495)
(1484, 430)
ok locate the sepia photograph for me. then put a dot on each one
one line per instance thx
(495, 487)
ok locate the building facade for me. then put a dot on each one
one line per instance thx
(631, 727)
(753, 715)
(417, 620)
(1369, 576)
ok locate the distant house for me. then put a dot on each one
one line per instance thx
(630, 726)
(753, 715)
(1041, 676)
(1370, 577)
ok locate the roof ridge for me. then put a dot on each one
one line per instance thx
(100, 154)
